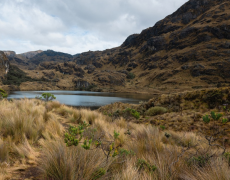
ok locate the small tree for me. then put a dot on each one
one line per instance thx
(47, 96)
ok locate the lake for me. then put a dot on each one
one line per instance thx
(85, 98)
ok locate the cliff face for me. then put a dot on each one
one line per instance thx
(10, 53)
(4, 63)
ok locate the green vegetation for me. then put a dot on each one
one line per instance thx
(144, 165)
(130, 76)
(47, 96)
(131, 112)
(76, 135)
(156, 111)
(97, 146)
(3, 94)
(16, 76)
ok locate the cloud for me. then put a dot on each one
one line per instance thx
(75, 26)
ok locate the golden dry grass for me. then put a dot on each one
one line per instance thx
(32, 132)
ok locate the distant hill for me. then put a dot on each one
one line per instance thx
(30, 54)
(51, 55)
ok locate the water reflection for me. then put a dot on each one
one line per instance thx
(85, 98)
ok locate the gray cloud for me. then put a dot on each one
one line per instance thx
(75, 26)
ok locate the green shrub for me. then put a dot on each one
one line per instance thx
(47, 96)
(162, 127)
(156, 111)
(200, 161)
(132, 112)
(130, 76)
(3, 94)
(98, 174)
(144, 165)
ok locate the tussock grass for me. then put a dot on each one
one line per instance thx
(35, 131)
(60, 162)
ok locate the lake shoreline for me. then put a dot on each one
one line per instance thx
(85, 99)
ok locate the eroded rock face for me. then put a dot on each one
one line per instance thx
(4, 64)
(31, 54)
(80, 83)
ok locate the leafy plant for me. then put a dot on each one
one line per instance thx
(132, 112)
(98, 174)
(47, 96)
(109, 147)
(3, 94)
(144, 165)
(201, 160)
(162, 127)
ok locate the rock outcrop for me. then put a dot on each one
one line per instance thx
(31, 54)
(10, 53)
(4, 64)
(81, 83)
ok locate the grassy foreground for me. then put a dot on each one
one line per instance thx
(32, 147)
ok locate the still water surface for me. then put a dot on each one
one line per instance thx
(85, 98)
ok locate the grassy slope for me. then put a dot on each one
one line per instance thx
(32, 146)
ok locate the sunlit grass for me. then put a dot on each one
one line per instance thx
(32, 130)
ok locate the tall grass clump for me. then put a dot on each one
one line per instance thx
(156, 111)
(60, 162)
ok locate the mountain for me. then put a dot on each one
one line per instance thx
(188, 49)
(30, 54)
(51, 55)
(10, 53)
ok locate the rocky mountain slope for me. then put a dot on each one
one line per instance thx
(31, 54)
(188, 49)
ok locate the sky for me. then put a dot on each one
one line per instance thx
(75, 26)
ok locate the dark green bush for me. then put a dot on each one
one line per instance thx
(47, 96)
(131, 112)
(130, 76)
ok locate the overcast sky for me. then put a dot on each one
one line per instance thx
(75, 26)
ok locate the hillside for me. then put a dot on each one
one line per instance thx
(48, 140)
(187, 50)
